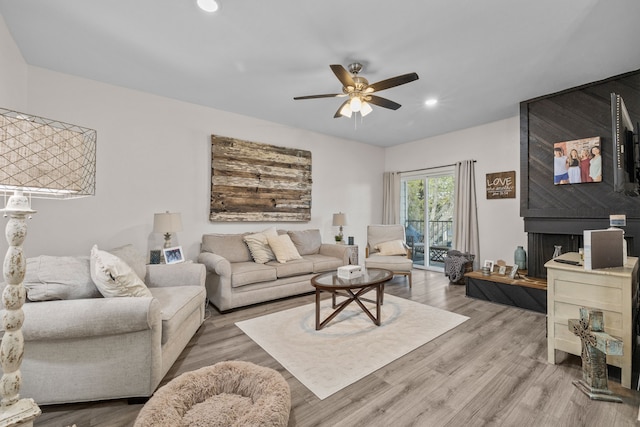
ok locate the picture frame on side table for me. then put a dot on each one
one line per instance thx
(154, 256)
(502, 270)
(514, 272)
(173, 255)
(489, 264)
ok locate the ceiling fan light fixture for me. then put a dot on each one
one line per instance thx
(365, 109)
(345, 111)
(208, 5)
(355, 104)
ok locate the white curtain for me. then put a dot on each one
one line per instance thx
(465, 215)
(391, 198)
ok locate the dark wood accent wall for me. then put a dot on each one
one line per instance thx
(576, 113)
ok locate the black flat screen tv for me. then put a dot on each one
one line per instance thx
(626, 155)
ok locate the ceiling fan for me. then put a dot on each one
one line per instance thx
(360, 92)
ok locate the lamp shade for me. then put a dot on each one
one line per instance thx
(46, 158)
(339, 219)
(167, 222)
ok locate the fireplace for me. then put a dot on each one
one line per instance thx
(559, 214)
(544, 234)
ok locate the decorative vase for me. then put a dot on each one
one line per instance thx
(557, 251)
(520, 258)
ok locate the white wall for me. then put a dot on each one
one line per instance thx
(154, 155)
(13, 72)
(496, 148)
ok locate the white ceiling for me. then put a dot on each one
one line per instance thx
(479, 58)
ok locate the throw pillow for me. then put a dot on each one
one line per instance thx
(283, 248)
(259, 245)
(50, 278)
(133, 258)
(114, 278)
(393, 247)
(307, 242)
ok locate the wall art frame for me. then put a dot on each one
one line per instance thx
(256, 182)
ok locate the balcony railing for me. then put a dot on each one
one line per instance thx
(440, 232)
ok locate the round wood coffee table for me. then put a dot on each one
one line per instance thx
(352, 289)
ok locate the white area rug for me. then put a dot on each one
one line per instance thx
(350, 347)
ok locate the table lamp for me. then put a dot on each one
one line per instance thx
(39, 158)
(167, 223)
(340, 220)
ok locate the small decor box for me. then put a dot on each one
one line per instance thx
(349, 271)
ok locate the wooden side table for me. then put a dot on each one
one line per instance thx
(614, 291)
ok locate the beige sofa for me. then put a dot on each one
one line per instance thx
(235, 279)
(80, 346)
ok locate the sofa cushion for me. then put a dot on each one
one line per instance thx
(133, 258)
(230, 246)
(292, 268)
(283, 248)
(246, 273)
(322, 263)
(389, 262)
(176, 304)
(59, 277)
(259, 245)
(392, 247)
(307, 242)
(113, 277)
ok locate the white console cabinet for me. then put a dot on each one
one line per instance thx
(612, 290)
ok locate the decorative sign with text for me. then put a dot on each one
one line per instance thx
(501, 185)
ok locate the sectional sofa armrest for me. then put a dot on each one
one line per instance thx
(82, 318)
(335, 250)
(170, 275)
(215, 264)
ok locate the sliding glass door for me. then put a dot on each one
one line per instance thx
(427, 214)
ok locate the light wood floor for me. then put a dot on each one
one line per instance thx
(491, 370)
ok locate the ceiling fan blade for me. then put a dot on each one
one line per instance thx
(328, 95)
(393, 81)
(337, 115)
(343, 75)
(383, 102)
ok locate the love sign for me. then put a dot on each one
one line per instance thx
(501, 185)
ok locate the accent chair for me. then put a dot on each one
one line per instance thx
(386, 248)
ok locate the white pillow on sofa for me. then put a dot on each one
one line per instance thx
(259, 245)
(283, 248)
(392, 247)
(114, 278)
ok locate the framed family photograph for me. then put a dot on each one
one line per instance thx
(489, 264)
(577, 161)
(502, 270)
(173, 255)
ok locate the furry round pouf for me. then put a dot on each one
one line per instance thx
(229, 393)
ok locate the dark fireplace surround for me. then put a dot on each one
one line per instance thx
(559, 214)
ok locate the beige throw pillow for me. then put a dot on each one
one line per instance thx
(114, 278)
(283, 248)
(259, 245)
(393, 247)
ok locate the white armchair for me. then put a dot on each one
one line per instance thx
(387, 249)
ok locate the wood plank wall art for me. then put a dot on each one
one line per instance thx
(251, 181)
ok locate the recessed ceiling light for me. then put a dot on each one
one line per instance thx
(208, 5)
(431, 102)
